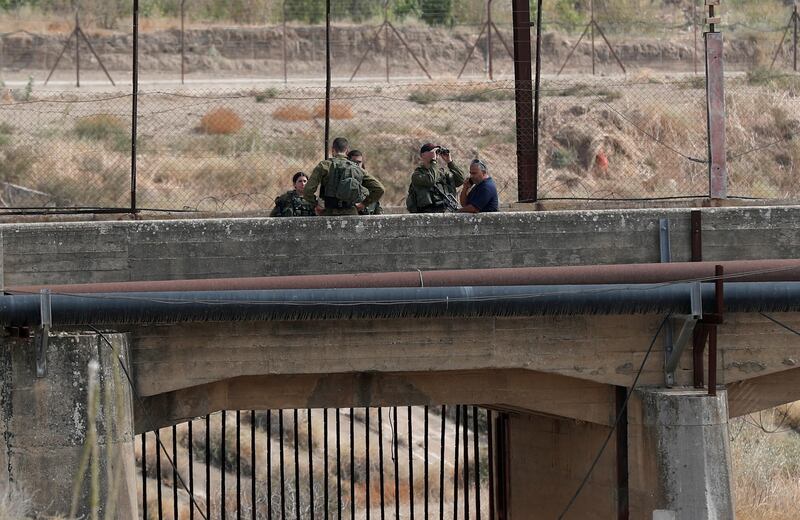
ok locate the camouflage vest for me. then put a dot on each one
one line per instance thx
(290, 204)
(344, 184)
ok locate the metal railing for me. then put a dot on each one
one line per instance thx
(396, 462)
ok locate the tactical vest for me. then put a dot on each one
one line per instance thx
(344, 184)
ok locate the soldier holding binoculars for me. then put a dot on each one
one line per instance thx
(431, 185)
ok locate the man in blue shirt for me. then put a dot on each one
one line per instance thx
(479, 194)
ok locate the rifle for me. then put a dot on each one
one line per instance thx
(450, 202)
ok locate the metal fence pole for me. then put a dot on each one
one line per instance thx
(715, 100)
(134, 100)
(327, 76)
(183, 52)
(526, 151)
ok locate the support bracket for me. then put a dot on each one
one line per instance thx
(688, 324)
(43, 332)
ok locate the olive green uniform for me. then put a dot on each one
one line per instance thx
(421, 192)
(292, 204)
(318, 178)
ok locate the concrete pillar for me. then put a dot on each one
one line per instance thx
(548, 459)
(44, 424)
(679, 455)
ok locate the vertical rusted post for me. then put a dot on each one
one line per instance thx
(134, 101)
(697, 235)
(694, 29)
(719, 309)
(489, 38)
(526, 162)
(327, 76)
(77, 51)
(386, 36)
(183, 51)
(285, 70)
(623, 508)
(715, 101)
(794, 37)
(698, 346)
(591, 23)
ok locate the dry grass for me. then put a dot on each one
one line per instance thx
(766, 476)
(293, 113)
(221, 121)
(339, 110)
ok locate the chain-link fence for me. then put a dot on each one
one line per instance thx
(231, 100)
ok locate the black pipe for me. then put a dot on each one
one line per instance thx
(352, 467)
(252, 463)
(441, 463)
(238, 465)
(208, 466)
(366, 462)
(174, 307)
(338, 465)
(191, 471)
(455, 462)
(174, 471)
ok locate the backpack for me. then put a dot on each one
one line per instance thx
(411, 200)
(344, 182)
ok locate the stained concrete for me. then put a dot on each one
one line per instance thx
(680, 454)
(79, 252)
(45, 424)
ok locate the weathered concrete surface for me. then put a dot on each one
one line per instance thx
(44, 425)
(505, 389)
(600, 349)
(183, 249)
(549, 457)
(680, 454)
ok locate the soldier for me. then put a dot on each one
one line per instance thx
(345, 188)
(292, 203)
(375, 208)
(432, 186)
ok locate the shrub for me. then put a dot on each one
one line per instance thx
(293, 113)
(477, 96)
(221, 121)
(563, 157)
(424, 97)
(338, 111)
(264, 95)
(100, 127)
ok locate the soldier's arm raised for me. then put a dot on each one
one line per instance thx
(375, 188)
(458, 174)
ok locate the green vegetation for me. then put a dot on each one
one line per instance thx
(105, 128)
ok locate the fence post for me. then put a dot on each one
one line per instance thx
(526, 162)
(134, 101)
(715, 102)
(327, 76)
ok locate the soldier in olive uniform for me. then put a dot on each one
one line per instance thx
(292, 203)
(357, 156)
(431, 184)
(370, 187)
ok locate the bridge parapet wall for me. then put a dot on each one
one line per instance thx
(186, 249)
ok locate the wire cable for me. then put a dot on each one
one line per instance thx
(622, 410)
(780, 324)
(149, 420)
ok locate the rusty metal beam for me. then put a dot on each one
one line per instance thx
(715, 93)
(523, 88)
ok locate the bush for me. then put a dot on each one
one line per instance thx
(476, 96)
(424, 97)
(563, 157)
(100, 127)
(266, 94)
(221, 121)
(338, 111)
(293, 113)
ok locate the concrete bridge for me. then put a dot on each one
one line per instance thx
(562, 378)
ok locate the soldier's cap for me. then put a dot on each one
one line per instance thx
(427, 147)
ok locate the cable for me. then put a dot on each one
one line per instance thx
(149, 421)
(654, 138)
(776, 322)
(622, 410)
